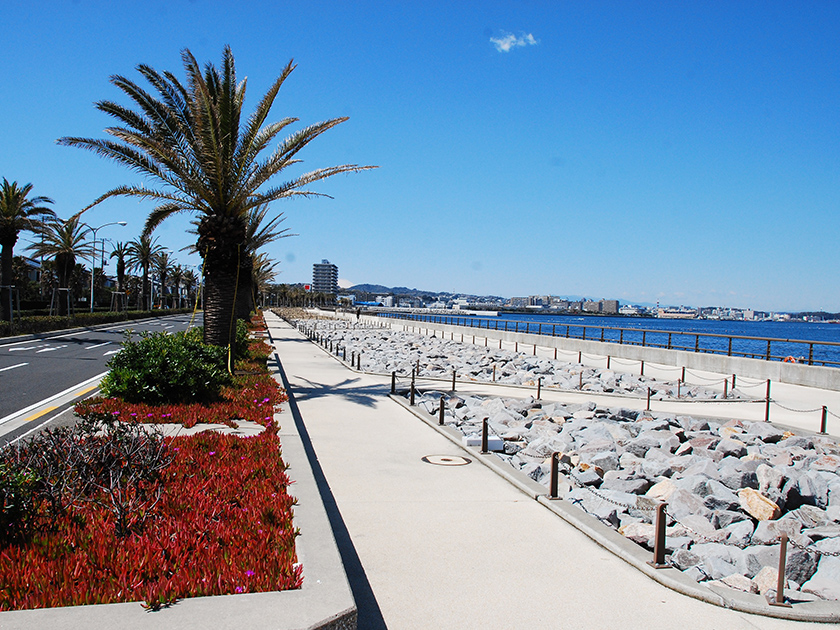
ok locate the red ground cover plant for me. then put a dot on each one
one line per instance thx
(222, 525)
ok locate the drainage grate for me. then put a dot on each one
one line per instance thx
(446, 460)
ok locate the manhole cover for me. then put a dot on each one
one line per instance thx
(446, 460)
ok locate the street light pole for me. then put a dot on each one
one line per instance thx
(93, 255)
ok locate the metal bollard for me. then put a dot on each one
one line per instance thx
(608, 362)
(516, 346)
(539, 387)
(411, 394)
(494, 376)
(353, 359)
(484, 436)
(779, 599)
(726, 388)
(535, 349)
(580, 356)
(359, 362)
(648, 400)
(500, 344)
(552, 486)
(393, 382)
(555, 353)
(767, 403)
(824, 420)
(344, 353)
(453, 381)
(485, 342)
(440, 411)
(580, 380)
(659, 539)
(683, 375)
(679, 387)
(642, 369)
(733, 381)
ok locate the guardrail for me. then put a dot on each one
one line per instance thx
(766, 348)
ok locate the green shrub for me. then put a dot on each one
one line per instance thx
(241, 345)
(163, 368)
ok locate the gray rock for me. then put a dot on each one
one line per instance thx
(683, 503)
(813, 489)
(799, 565)
(739, 533)
(724, 518)
(825, 581)
(768, 532)
(731, 448)
(768, 478)
(718, 560)
(684, 559)
(765, 431)
(810, 516)
(630, 486)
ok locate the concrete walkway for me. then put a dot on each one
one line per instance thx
(457, 546)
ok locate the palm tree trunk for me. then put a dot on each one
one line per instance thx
(6, 281)
(245, 290)
(220, 285)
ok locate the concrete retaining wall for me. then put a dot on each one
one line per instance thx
(776, 371)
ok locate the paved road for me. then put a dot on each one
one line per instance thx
(34, 370)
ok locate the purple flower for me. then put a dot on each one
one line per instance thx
(239, 589)
(212, 453)
(249, 573)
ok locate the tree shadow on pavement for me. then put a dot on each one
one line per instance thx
(367, 608)
(366, 395)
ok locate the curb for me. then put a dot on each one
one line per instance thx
(627, 550)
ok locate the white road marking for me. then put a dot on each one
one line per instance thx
(51, 349)
(99, 345)
(26, 348)
(12, 367)
(11, 416)
(111, 352)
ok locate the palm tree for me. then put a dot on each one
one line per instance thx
(17, 213)
(141, 255)
(163, 265)
(189, 141)
(190, 280)
(177, 275)
(63, 241)
(262, 273)
(257, 236)
(120, 252)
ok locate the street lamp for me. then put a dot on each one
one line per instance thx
(93, 256)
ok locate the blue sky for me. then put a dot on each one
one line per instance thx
(684, 152)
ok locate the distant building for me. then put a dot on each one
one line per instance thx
(592, 307)
(609, 307)
(325, 277)
(518, 302)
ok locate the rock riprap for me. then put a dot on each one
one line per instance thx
(731, 488)
(384, 351)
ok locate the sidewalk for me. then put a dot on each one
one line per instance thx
(457, 546)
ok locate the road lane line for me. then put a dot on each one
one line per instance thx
(99, 345)
(12, 367)
(28, 348)
(52, 349)
(111, 352)
(12, 416)
(86, 390)
(35, 416)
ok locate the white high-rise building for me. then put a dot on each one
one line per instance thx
(325, 277)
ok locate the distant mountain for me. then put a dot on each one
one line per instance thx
(383, 290)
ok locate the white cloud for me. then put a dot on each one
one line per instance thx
(509, 41)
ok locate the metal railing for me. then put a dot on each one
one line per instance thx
(825, 353)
